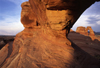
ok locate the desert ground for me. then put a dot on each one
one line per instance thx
(90, 46)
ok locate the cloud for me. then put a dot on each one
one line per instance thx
(88, 20)
(94, 19)
(10, 25)
(91, 17)
(98, 22)
(82, 21)
(10, 20)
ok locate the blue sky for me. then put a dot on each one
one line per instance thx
(10, 12)
(91, 17)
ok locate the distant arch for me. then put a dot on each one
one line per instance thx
(89, 31)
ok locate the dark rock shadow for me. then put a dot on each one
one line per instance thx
(82, 57)
(5, 39)
(85, 59)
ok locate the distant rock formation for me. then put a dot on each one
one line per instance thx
(81, 30)
(43, 43)
(84, 31)
(91, 32)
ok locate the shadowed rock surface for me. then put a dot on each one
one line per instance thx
(43, 43)
(5, 39)
(85, 43)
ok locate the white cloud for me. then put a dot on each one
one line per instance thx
(82, 21)
(10, 25)
(98, 22)
(10, 22)
(95, 19)
(88, 20)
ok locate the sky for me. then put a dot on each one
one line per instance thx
(10, 13)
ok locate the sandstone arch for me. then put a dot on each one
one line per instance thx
(84, 31)
(81, 30)
(41, 45)
(91, 31)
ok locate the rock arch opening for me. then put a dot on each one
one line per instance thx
(88, 32)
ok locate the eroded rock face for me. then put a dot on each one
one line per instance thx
(28, 18)
(43, 42)
(70, 10)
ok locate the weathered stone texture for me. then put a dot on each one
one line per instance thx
(28, 18)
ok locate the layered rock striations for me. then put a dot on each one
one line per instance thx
(43, 43)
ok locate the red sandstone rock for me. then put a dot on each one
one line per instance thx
(91, 34)
(91, 31)
(81, 30)
(43, 42)
(71, 30)
(28, 18)
(84, 31)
